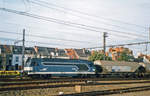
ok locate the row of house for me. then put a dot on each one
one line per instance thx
(11, 56)
(146, 57)
(115, 53)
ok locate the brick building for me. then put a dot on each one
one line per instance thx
(115, 53)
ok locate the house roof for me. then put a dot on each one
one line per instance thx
(82, 52)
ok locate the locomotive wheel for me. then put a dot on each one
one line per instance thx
(97, 75)
(127, 75)
(141, 75)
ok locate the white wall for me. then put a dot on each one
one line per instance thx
(17, 59)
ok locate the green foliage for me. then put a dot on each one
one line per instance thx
(97, 56)
(125, 57)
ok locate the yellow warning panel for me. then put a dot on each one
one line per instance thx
(7, 73)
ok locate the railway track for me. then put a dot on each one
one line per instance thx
(64, 79)
(38, 85)
(70, 81)
(56, 80)
(112, 91)
(42, 82)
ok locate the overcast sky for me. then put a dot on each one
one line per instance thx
(125, 21)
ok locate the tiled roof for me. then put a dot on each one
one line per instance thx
(80, 52)
(83, 52)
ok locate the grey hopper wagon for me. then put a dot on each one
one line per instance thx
(118, 68)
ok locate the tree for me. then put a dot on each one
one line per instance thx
(97, 56)
(125, 57)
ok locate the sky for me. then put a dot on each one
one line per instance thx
(125, 21)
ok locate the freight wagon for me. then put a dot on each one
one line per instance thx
(119, 69)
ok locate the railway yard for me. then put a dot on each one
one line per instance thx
(75, 87)
(74, 48)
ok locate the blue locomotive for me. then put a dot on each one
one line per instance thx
(47, 67)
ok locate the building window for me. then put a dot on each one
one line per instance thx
(17, 58)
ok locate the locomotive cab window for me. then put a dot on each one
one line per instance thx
(82, 67)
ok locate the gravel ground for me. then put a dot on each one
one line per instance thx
(142, 93)
(38, 92)
(69, 90)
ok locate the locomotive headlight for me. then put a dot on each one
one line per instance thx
(28, 68)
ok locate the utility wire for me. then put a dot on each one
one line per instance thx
(120, 45)
(27, 7)
(87, 14)
(88, 25)
(45, 37)
(111, 35)
(47, 5)
(58, 31)
(85, 35)
(81, 26)
(9, 39)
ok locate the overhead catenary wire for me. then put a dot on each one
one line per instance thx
(45, 37)
(113, 40)
(2, 31)
(37, 42)
(129, 44)
(56, 31)
(27, 5)
(39, 37)
(97, 30)
(49, 5)
(87, 14)
(82, 26)
(85, 35)
(92, 26)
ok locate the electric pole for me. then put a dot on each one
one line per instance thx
(149, 33)
(23, 49)
(147, 43)
(104, 44)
